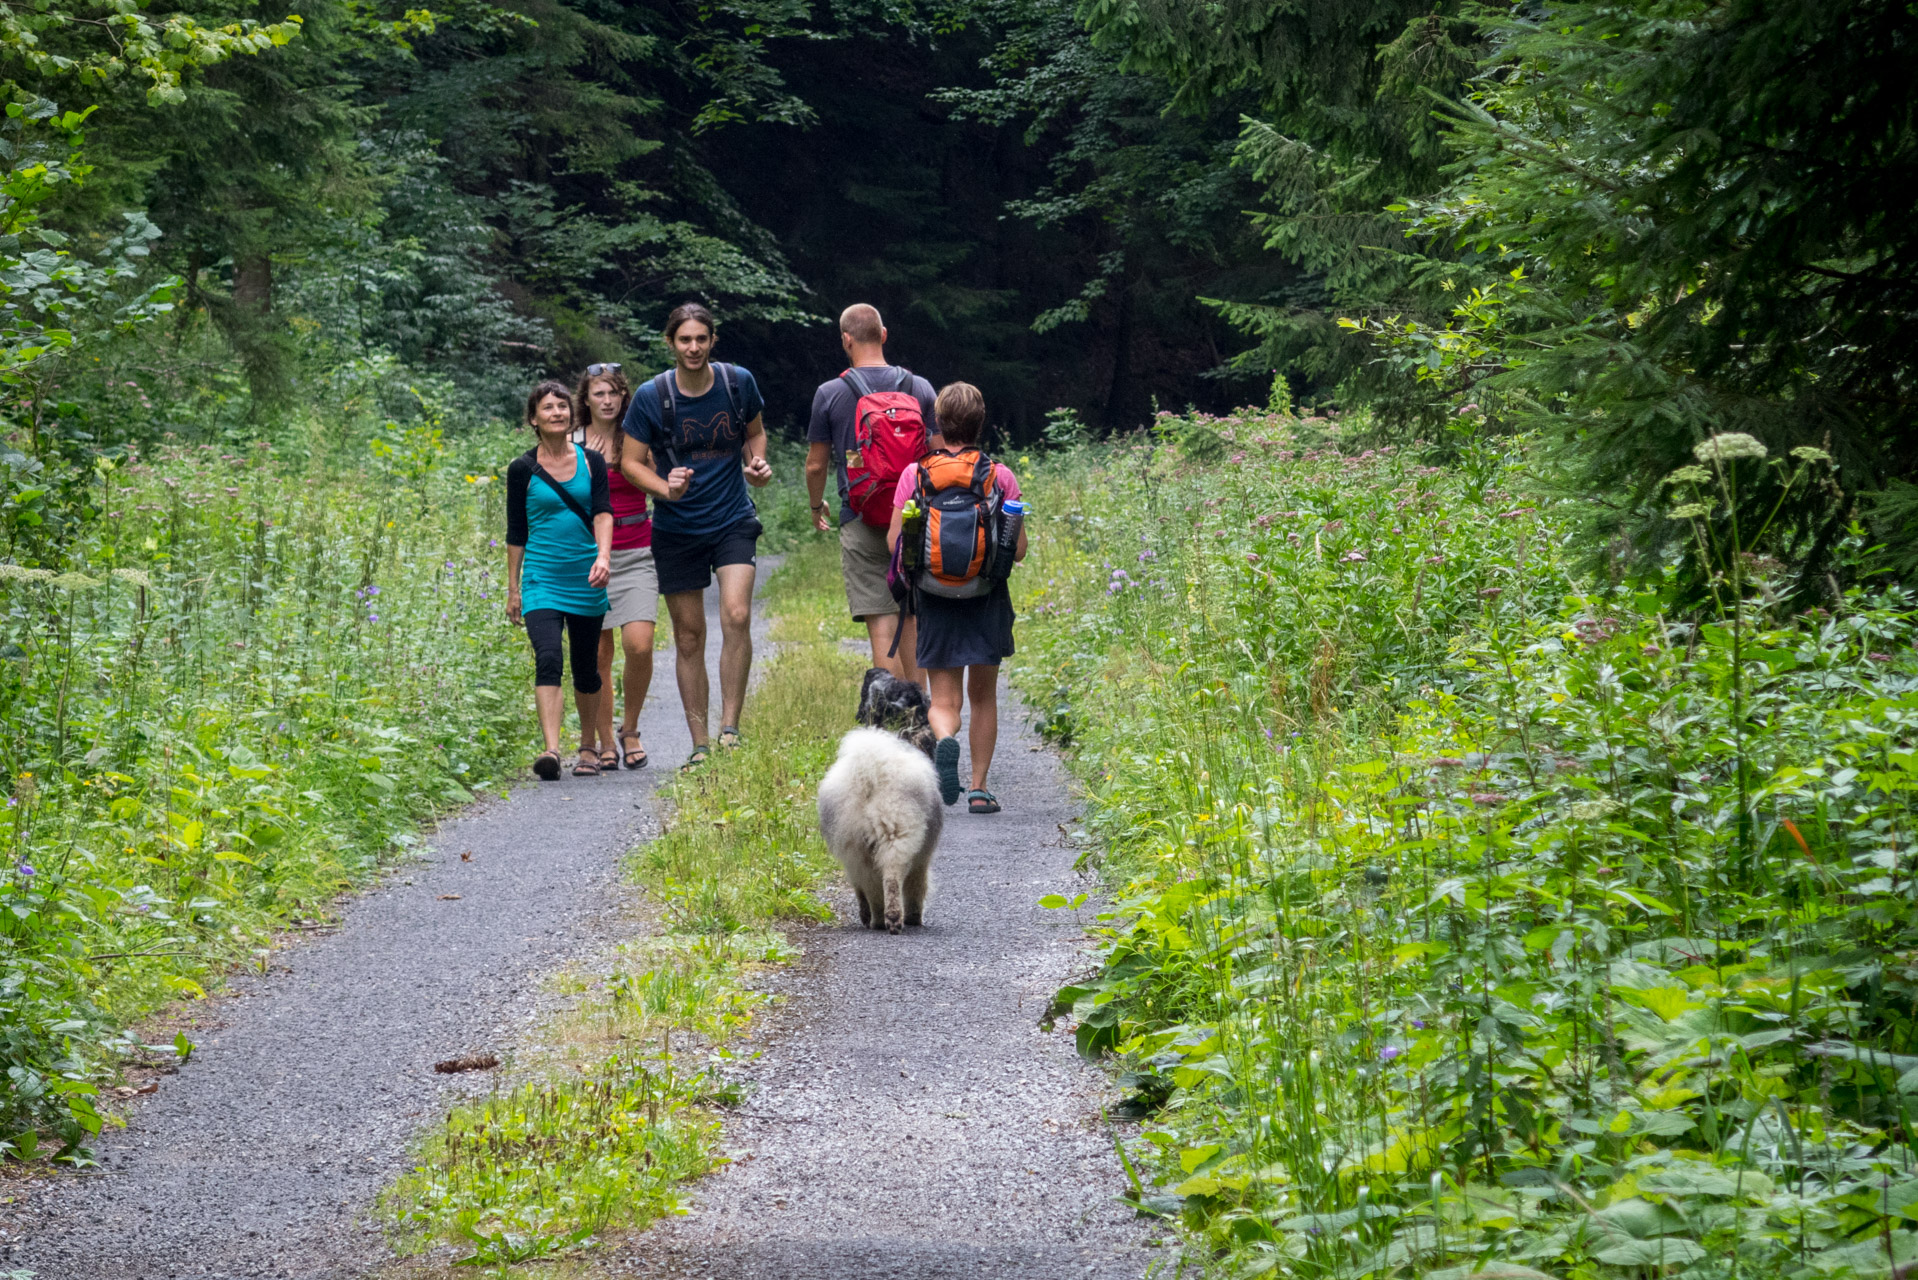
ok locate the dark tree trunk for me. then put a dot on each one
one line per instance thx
(1115, 406)
(253, 284)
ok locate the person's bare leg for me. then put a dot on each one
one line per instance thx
(637, 639)
(735, 639)
(909, 668)
(687, 609)
(879, 629)
(982, 690)
(948, 691)
(601, 739)
(588, 704)
(552, 706)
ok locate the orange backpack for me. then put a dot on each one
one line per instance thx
(959, 501)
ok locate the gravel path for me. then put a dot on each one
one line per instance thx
(910, 1119)
(261, 1157)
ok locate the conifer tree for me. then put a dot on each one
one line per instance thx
(1712, 202)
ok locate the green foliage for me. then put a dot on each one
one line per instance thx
(1558, 937)
(99, 42)
(1336, 123)
(1702, 205)
(233, 696)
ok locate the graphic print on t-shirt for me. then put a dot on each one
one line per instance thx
(710, 436)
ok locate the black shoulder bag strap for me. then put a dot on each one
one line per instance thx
(584, 516)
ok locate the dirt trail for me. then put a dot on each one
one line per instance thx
(909, 1117)
(263, 1155)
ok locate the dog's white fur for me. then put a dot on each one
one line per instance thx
(880, 813)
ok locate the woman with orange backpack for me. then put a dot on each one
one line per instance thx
(958, 527)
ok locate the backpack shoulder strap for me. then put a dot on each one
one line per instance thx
(668, 416)
(858, 384)
(728, 377)
(983, 475)
(905, 378)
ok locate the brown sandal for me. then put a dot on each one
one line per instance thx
(546, 766)
(635, 757)
(587, 766)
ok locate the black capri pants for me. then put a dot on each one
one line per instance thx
(543, 627)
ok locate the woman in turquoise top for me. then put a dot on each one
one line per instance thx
(559, 539)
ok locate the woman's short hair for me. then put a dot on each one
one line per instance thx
(961, 412)
(689, 311)
(583, 407)
(549, 387)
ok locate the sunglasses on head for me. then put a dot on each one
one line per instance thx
(594, 370)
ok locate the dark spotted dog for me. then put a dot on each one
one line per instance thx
(887, 702)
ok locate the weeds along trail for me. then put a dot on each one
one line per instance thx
(267, 1153)
(258, 682)
(1471, 911)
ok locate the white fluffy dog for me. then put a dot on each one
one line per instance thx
(880, 813)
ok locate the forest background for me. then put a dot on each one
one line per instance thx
(1606, 310)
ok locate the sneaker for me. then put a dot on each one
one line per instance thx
(945, 761)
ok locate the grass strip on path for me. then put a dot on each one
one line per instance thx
(599, 1129)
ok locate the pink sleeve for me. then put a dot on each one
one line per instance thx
(1002, 474)
(902, 492)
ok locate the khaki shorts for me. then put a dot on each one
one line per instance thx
(633, 593)
(863, 559)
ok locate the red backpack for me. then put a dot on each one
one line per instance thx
(888, 435)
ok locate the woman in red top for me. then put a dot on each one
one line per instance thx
(634, 589)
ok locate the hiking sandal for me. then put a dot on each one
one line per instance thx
(635, 756)
(945, 763)
(587, 766)
(729, 737)
(608, 760)
(546, 766)
(978, 801)
(697, 758)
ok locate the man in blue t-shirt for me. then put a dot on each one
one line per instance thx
(697, 461)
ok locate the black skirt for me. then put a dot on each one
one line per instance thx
(965, 633)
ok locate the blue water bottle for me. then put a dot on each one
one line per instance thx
(1012, 518)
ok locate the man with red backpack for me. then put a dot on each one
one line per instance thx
(869, 425)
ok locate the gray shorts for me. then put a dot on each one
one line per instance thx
(633, 592)
(863, 559)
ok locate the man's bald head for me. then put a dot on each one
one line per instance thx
(861, 324)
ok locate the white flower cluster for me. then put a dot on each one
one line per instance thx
(1727, 445)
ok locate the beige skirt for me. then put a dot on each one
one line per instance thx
(633, 593)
